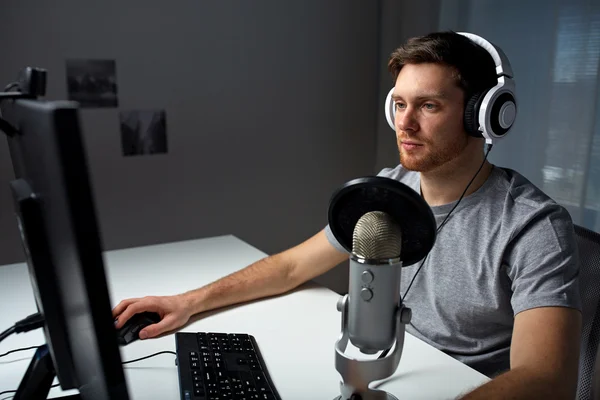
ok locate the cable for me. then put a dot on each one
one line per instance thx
(385, 352)
(14, 391)
(7, 333)
(151, 355)
(11, 86)
(21, 349)
(34, 321)
(7, 128)
(124, 362)
(447, 216)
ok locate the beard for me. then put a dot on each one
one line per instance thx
(431, 157)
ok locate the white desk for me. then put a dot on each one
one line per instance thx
(295, 332)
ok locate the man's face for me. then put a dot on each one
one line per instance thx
(429, 108)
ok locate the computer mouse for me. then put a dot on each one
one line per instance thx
(130, 331)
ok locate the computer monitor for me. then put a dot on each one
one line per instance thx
(55, 212)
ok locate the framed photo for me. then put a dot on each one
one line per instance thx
(143, 132)
(92, 83)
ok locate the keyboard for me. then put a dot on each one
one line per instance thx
(222, 366)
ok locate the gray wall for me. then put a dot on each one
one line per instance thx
(270, 106)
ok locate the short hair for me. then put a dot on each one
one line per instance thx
(474, 66)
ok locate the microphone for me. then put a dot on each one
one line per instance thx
(384, 225)
(374, 289)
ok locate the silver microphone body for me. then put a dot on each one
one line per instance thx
(374, 290)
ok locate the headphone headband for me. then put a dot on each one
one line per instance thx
(502, 64)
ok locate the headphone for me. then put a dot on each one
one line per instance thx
(488, 114)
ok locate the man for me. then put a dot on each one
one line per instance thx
(499, 289)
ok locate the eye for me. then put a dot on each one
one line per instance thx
(429, 106)
(399, 105)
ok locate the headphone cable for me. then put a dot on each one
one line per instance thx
(385, 352)
(446, 219)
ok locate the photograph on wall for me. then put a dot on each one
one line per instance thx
(143, 132)
(92, 83)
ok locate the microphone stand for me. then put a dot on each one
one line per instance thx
(358, 374)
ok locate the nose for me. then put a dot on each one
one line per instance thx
(405, 120)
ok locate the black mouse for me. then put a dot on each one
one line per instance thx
(130, 331)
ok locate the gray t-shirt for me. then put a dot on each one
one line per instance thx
(506, 248)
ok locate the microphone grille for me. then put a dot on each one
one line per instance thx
(377, 236)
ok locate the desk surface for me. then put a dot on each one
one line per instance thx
(296, 332)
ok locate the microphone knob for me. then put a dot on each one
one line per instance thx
(340, 303)
(367, 277)
(366, 294)
(406, 315)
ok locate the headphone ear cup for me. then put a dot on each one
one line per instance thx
(471, 115)
(389, 110)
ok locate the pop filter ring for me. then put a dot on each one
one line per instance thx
(376, 193)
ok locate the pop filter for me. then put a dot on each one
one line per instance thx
(375, 193)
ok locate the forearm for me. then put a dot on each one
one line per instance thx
(266, 277)
(520, 384)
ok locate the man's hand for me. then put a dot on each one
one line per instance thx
(173, 310)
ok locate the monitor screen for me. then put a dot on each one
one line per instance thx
(55, 212)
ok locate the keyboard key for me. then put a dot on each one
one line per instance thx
(224, 387)
(222, 376)
(260, 380)
(209, 376)
(254, 366)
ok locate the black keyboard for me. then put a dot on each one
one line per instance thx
(222, 366)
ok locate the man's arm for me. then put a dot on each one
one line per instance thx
(269, 276)
(544, 357)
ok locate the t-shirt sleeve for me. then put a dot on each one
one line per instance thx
(543, 262)
(332, 239)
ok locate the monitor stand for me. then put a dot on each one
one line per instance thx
(38, 378)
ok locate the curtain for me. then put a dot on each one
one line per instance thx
(554, 49)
